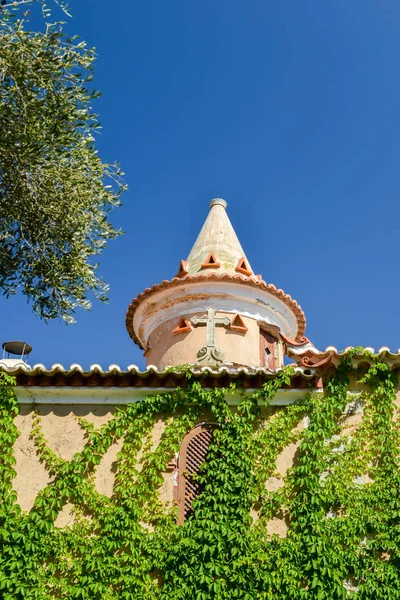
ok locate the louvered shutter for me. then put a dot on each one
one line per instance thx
(193, 453)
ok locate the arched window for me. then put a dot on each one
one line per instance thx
(193, 453)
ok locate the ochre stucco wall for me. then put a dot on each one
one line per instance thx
(60, 426)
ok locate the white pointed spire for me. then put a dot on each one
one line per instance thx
(218, 240)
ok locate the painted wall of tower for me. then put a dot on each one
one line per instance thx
(169, 345)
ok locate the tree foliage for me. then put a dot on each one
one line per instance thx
(55, 191)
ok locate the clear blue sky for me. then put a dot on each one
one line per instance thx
(291, 112)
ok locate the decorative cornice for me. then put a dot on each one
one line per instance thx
(223, 277)
(307, 355)
(316, 363)
(298, 342)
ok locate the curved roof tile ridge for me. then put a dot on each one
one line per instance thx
(384, 349)
(331, 349)
(39, 367)
(151, 378)
(11, 369)
(58, 367)
(114, 369)
(76, 367)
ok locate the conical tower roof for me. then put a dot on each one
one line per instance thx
(217, 246)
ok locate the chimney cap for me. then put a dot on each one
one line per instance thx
(18, 348)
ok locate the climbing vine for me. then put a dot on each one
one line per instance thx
(337, 506)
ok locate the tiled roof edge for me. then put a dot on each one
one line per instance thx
(307, 355)
(76, 376)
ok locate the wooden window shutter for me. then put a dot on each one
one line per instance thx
(268, 350)
(193, 453)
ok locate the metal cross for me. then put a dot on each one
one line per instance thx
(211, 321)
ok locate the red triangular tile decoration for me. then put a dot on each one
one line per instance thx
(182, 326)
(183, 268)
(243, 268)
(237, 324)
(211, 262)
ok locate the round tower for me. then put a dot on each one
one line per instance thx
(215, 311)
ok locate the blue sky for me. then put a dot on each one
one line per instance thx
(291, 112)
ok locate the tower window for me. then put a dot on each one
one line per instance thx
(268, 350)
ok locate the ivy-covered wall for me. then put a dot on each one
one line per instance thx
(327, 527)
(63, 426)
